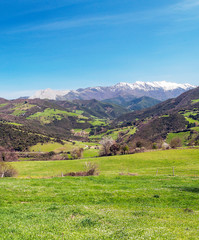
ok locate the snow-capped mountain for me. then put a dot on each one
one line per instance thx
(160, 90)
(49, 94)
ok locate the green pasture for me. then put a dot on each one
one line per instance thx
(195, 101)
(182, 135)
(48, 115)
(195, 129)
(114, 133)
(3, 105)
(11, 123)
(185, 163)
(97, 122)
(151, 205)
(21, 108)
(89, 147)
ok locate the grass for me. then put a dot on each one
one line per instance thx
(195, 129)
(195, 101)
(121, 207)
(114, 133)
(76, 130)
(48, 115)
(3, 105)
(108, 206)
(68, 146)
(185, 163)
(191, 120)
(12, 123)
(97, 122)
(21, 108)
(182, 135)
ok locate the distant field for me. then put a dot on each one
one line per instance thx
(182, 135)
(195, 101)
(114, 133)
(107, 206)
(185, 162)
(68, 146)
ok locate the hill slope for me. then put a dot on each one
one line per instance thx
(172, 116)
(132, 103)
(26, 122)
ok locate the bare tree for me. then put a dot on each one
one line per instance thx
(7, 155)
(106, 143)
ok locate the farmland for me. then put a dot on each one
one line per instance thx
(113, 205)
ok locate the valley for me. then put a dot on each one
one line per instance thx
(89, 169)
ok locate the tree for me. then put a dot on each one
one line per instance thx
(106, 143)
(114, 148)
(7, 170)
(7, 155)
(125, 149)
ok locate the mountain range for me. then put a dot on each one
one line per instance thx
(25, 122)
(159, 90)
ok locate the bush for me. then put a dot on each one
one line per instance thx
(154, 146)
(175, 142)
(77, 153)
(6, 170)
(7, 155)
(91, 169)
(124, 149)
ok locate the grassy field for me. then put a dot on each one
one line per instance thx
(185, 162)
(115, 132)
(21, 108)
(67, 146)
(108, 206)
(182, 135)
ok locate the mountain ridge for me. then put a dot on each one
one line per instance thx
(159, 90)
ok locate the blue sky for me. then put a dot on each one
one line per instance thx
(70, 44)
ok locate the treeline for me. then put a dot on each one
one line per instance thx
(18, 138)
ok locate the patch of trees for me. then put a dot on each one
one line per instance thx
(18, 138)
(111, 147)
(158, 128)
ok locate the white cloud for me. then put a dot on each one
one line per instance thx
(176, 13)
(186, 5)
(16, 94)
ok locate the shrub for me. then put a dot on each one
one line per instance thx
(139, 144)
(124, 149)
(91, 169)
(77, 153)
(154, 146)
(6, 170)
(51, 153)
(176, 142)
(7, 155)
(114, 148)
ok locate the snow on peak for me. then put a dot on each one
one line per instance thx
(112, 91)
(147, 86)
(49, 94)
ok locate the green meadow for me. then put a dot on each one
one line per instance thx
(89, 147)
(185, 163)
(150, 204)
